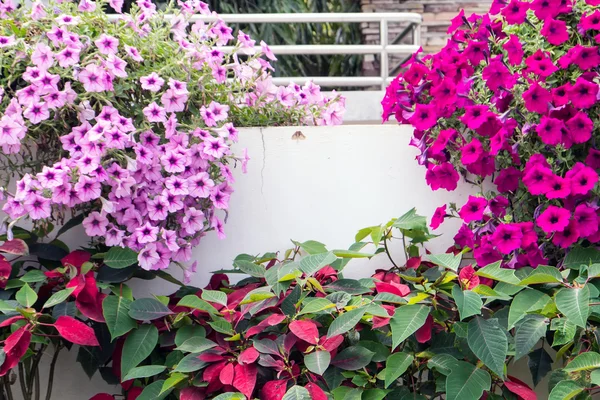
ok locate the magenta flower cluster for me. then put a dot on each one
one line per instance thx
(143, 111)
(511, 103)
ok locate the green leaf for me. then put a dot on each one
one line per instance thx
(215, 296)
(116, 313)
(540, 363)
(573, 303)
(496, 272)
(148, 309)
(120, 257)
(529, 332)
(190, 363)
(58, 297)
(195, 302)
(317, 362)
(469, 303)
(443, 363)
(411, 221)
(315, 305)
(196, 344)
(153, 392)
(489, 343)
(374, 394)
(257, 271)
(353, 358)
(144, 372)
(542, 274)
(138, 346)
(296, 393)
(172, 381)
(449, 261)
(346, 321)
(222, 326)
(186, 332)
(564, 331)
(312, 263)
(466, 382)
(256, 295)
(577, 257)
(312, 247)
(584, 362)
(230, 396)
(350, 286)
(395, 366)
(351, 254)
(565, 390)
(595, 377)
(527, 301)
(26, 296)
(33, 276)
(406, 321)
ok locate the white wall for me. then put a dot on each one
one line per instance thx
(325, 187)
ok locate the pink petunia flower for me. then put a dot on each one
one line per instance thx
(107, 44)
(152, 82)
(507, 238)
(553, 219)
(473, 210)
(155, 113)
(438, 217)
(95, 224)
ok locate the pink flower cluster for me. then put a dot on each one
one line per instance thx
(145, 117)
(511, 103)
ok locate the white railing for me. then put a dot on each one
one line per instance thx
(384, 49)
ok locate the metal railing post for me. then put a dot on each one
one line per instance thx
(384, 62)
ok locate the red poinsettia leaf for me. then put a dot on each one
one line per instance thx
(316, 393)
(11, 320)
(191, 393)
(103, 396)
(210, 356)
(271, 320)
(520, 389)
(392, 287)
(245, 379)
(248, 356)
(226, 374)
(76, 258)
(78, 283)
(305, 330)
(211, 373)
(274, 390)
(17, 247)
(332, 343)
(135, 392)
(89, 299)
(378, 322)
(75, 331)
(467, 277)
(423, 334)
(5, 271)
(413, 262)
(15, 346)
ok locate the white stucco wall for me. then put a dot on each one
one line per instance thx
(325, 187)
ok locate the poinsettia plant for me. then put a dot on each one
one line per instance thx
(126, 122)
(295, 327)
(511, 103)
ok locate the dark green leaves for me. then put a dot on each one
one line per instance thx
(529, 332)
(353, 358)
(138, 346)
(148, 309)
(540, 363)
(468, 302)
(411, 221)
(406, 321)
(116, 313)
(574, 304)
(120, 257)
(318, 361)
(395, 366)
(195, 302)
(312, 263)
(488, 342)
(26, 296)
(466, 382)
(144, 372)
(345, 322)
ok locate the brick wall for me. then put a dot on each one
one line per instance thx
(436, 19)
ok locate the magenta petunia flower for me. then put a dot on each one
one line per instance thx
(497, 75)
(508, 180)
(585, 57)
(475, 116)
(514, 50)
(587, 220)
(583, 178)
(444, 137)
(580, 128)
(473, 209)
(568, 236)
(538, 179)
(550, 130)
(471, 152)
(424, 117)
(553, 219)
(583, 93)
(442, 176)
(555, 31)
(537, 99)
(560, 187)
(507, 238)
(546, 9)
(498, 206)
(590, 21)
(515, 12)
(560, 95)
(438, 217)
(593, 158)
